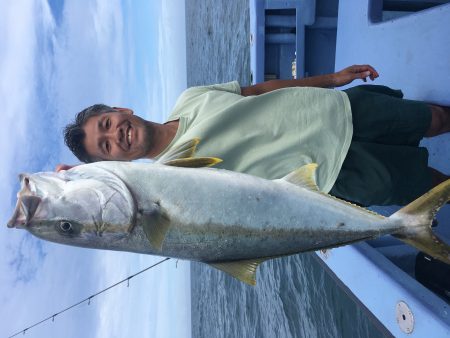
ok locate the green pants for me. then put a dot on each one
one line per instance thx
(385, 165)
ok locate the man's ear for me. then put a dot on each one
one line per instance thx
(124, 110)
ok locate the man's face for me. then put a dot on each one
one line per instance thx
(118, 135)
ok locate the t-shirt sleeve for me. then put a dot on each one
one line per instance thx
(190, 93)
(232, 87)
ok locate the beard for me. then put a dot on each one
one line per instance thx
(147, 139)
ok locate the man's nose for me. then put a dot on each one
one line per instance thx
(115, 134)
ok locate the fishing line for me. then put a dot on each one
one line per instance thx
(88, 299)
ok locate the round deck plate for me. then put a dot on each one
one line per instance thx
(405, 318)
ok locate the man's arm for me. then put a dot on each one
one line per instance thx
(338, 79)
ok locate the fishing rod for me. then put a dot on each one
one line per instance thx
(88, 299)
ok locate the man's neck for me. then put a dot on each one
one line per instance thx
(163, 134)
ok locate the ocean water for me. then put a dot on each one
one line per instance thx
(294, 296)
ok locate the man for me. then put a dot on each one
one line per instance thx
(365, 139)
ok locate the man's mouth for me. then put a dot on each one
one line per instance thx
(129, 136)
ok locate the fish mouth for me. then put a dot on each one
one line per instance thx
(26, 206)
(25, 209)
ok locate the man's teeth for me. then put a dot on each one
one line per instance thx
(129, 136)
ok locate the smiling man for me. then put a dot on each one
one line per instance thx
(111, 133)
(365, 139)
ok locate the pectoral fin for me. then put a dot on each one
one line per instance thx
(304, 177)
(155, 224)
(244, 270)
(184, 150)
(183, 156)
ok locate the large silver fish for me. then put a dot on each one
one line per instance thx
(229, 220)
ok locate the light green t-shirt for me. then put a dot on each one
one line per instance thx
(267, 135)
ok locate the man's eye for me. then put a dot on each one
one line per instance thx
(108, 123)
(108, 147)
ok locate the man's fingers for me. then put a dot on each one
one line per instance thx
(362, 68)
(373, 73)
(362, 75)
(365, 68)
(354, 72)
(61, 166)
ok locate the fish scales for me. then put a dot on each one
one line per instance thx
(216, 214)
(229, 220)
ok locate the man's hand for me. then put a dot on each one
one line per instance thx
(61, 166)
(354, 72)
(338, 79)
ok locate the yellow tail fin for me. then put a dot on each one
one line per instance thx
(418, 217)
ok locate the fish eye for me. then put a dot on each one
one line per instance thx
(65, 226)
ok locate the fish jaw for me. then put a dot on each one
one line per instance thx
(27, 204)
(74, 209)
(25, 210)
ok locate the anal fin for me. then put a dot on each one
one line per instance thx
(244, 270)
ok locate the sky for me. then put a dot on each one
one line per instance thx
(56, 58)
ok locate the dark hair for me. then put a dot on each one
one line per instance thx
(74, 134)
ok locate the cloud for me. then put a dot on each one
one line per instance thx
(25, 30)
(21, 33)
(65, 276)
(153, 302)
(174, 301)
(50, 70)
(126, 309)
(172, 53)
(27, 260)
(90, 58)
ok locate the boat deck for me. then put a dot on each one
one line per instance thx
(408, 42)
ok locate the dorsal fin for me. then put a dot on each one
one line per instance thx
(304, 177)
(183, 156)
(244, 270)
(353, 205)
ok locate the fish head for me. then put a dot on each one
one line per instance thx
(66, 207)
